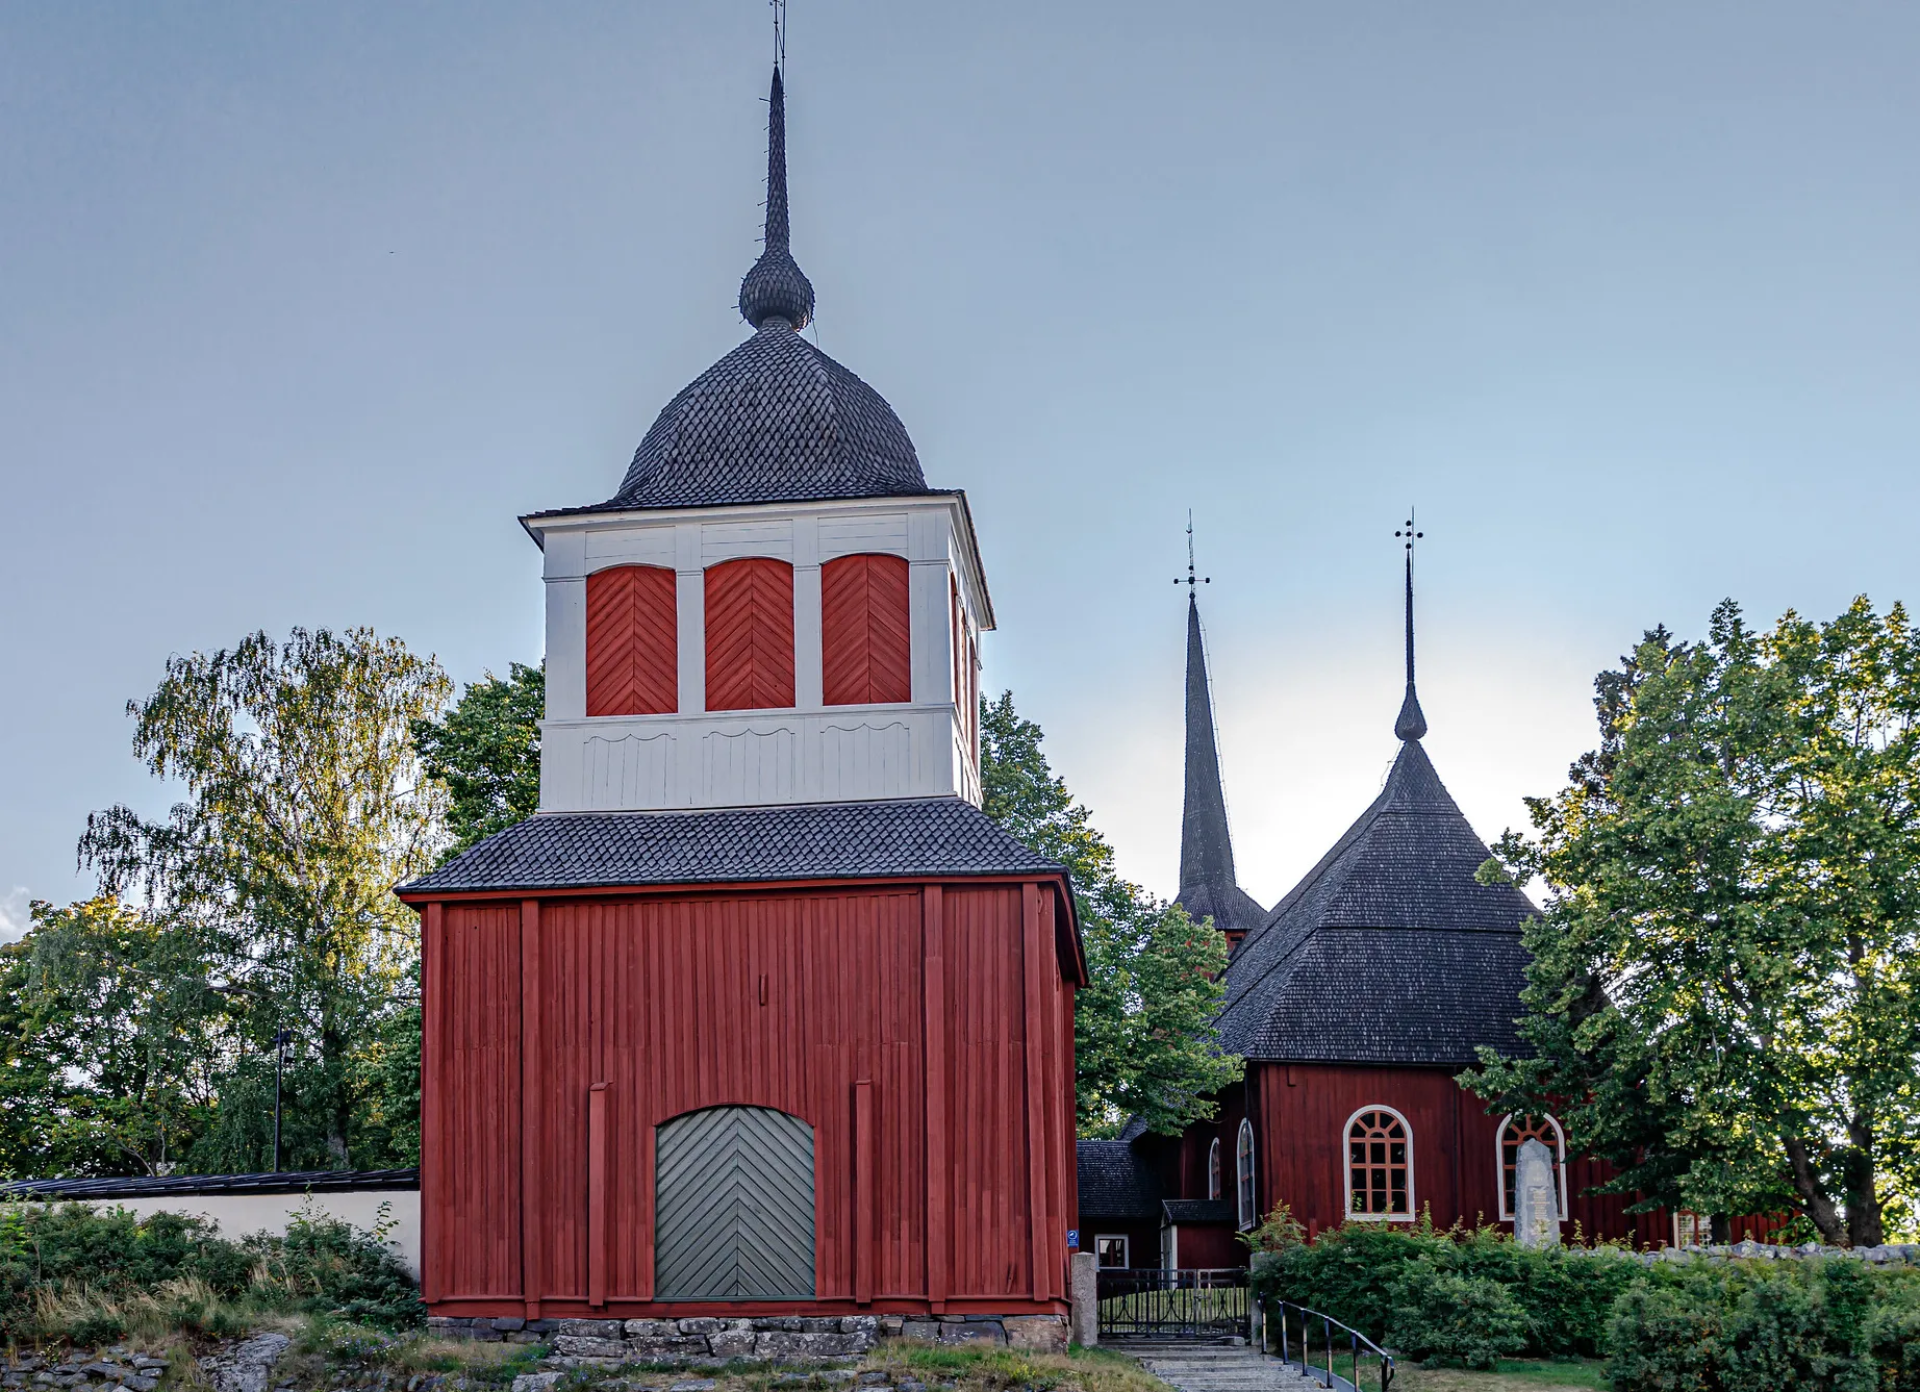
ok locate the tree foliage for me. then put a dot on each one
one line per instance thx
(487, 753)
(1725, 993)
(1144, 1042)
(305, 804)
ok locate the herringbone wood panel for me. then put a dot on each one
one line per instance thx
(633, 653)
(733, 1206)
(866, 652)
(749, 634)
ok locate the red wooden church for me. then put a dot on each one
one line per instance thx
(1356, 1002)
(760, 1016)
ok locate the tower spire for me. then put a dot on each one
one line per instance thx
(776, 289)
(1206, 850)
(1411, 723)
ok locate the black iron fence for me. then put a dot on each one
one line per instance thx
(1319, 1344)
(1157, 1303)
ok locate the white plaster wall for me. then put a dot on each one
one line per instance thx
(242, 1214)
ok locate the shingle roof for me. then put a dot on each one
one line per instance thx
(1389, 951)
(1207, 881)
(1196, 1210)
(839, 840)
(147, 1186)
(1115, 1182)
(776, 420)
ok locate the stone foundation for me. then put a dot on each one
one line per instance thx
(774, 1338)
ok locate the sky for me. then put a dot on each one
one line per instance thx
(302, 306)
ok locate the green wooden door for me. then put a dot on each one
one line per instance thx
(733, 1206)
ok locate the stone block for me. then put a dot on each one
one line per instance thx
(860, 1324)
(928, 1329)
(732, 1343)
(591, 1328)
(984, 1331)
(652, 1328)
(891, 1325)
(1036, 1333)
(702, 1325)
(507, 1324)
(803, 1344)
(670, 1346)
(536, 1382)
(588, 1346)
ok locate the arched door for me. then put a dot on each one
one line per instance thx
(733, 1206)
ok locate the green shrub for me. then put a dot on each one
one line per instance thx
(1443, 1317)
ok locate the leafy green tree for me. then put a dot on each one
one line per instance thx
(1725, 988)
(487, 753)
(1144, 1041)
(305, 805)
(112, 1042)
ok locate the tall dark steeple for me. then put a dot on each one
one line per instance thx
(1207, 884)
(1411, 723)
(776, 287)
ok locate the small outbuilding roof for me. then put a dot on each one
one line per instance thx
(151, 1186)
(1196, 1210)
(1115, 1182)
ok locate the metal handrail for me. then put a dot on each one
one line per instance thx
(1358, 1346)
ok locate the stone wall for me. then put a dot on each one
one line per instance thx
(1892, 1254)
(775, 1338)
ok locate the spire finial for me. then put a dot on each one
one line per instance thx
(776, 290)
(1192, 578)
(1411, 723)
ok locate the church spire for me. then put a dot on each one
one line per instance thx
(1412, 721)
(1206, 851)
(776, 289)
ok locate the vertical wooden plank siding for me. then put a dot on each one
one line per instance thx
(530, 1083)
(633, 647)
(863, 1192)
(434, 1135)
(866, 648)
(749, 605)
(934, 1095)
(597, 1194)
(478, 1222)
(1033, 1056)
(560, 1033)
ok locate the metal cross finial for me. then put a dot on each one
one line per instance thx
(1412, 723)
(1409, 533)
(1192, 578)
(779, 32)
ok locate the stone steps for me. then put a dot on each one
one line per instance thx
(1212, 1367)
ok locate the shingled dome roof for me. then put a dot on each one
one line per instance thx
(776, 420)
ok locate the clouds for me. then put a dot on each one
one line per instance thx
(15, 915)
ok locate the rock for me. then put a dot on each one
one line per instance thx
(890, 1326)
(836, 1375)
(927, 1329)
(873, 1379)
(506, 1324)
(652, 1329)
(536, 1382)
(802, 1344)
(693, 1385)
(860, 1324)
(246, 1366)
(974, 1332)
(673, 1346)
(911, 1385)
(140, 1383)
(589, 1346)
(1036, 1333)
(702, 1325)
(149, 1365)
(733, 1343)
(590, 1329)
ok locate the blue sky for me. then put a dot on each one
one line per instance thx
(300, 307)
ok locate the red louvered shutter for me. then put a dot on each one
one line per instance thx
(750, 635)
(633, 647)
(866, 653)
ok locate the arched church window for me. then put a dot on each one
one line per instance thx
(1243, 1171)
(1516, 1131)
(749, 634)
(1379, 1164)
(733, 1206)
(1214, 1180)
(633, 649)
(866, 654)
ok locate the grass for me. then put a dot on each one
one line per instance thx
(1509, 1375)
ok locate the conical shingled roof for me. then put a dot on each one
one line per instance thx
(1389, 951)
(1207, 882)
(776, 420)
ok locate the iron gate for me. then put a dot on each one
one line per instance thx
(1163, 1303)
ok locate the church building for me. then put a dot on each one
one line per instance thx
(1355, 1002)
(759, 1016)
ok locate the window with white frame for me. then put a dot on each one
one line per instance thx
(1215, 1182)
(1379, 1167)
(1243, 1173)
(1515, 1131)
(1110, 1249)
